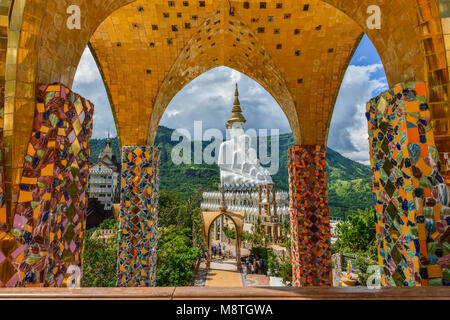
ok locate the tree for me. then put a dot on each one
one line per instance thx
(176, 257)
(357, 234)
(100, 258)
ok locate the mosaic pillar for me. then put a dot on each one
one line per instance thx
(310, 221)
(49, 223)
(412, 213)
(138, 217)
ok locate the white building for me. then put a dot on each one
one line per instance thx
(104, 177)
(247, 186)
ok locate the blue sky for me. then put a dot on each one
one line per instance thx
(209, 98)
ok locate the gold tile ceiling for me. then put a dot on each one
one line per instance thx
(298, 50)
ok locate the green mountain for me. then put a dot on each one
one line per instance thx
(349, 182)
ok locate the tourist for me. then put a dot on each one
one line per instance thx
(220, 252)
(261, 266)
(244, 269)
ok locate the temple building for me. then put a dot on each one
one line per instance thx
(247, 186)
(104, 178)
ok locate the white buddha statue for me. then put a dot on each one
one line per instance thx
(238, 161)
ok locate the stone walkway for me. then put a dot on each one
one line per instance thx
(223, 273)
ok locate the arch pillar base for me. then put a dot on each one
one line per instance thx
(310, 221)
(138, 217)
(412, 204)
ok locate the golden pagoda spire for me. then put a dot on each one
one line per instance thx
(236, 115)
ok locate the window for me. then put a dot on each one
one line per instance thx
(246, 5)
(194, 17)
(171, 4)
(319, 27)
(166, 15)
(261, 30)
(152, 44)
(179, 15)
(279, 46)
(149, 71)
(297, 53)
(140, 9)
(297, 31)
(174, 28)
(270, 18)
(201, 3)
(187, 25)
(287, 15)
(279, 5)
(330, 50)
(300, 80)
(154, 27)
(169, 40)
(262, 5)
(185, 3)
(306, 7)
(276, 31)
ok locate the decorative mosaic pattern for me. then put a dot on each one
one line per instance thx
(412, 213)
(310, 221)
(3, 225)
(7, 242)
(49, 221)
(138, 217)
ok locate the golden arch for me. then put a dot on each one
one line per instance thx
(208, 218)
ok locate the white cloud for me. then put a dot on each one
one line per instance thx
(348, 131)
(89, 84)
(87, 71)
(210, 97)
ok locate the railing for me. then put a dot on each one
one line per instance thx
(210, 293)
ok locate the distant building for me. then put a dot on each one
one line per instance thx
(104, 178)
(247, 186)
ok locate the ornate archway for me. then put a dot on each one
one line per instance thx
(209, 217)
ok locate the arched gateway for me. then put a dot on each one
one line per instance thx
(147, 50)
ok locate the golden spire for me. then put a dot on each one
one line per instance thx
(236, 115)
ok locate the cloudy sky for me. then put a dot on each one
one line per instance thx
(209, 98)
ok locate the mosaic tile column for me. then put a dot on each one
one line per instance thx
(49, 222)
(138, 217)
(310, 221)
(412, 213)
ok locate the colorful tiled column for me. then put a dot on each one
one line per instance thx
(49, 222)
(412, 213)
(310, 221)
(138, 217)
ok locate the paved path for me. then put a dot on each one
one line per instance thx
(222, 274)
